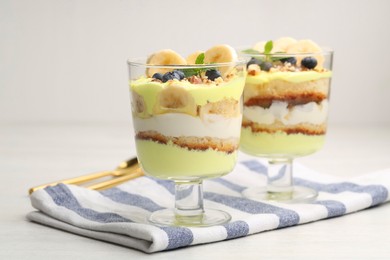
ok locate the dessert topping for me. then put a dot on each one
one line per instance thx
(286, 54)
(253, 60)
(291, 60)
(266, 66)
(191, 59)
(220, 54)
(179, 74)
(213, 74)
(217, 54)
(158, 76)
(169, 76)
(253, 69)
(163, 57)
(309, 62)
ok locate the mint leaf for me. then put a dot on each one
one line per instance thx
(268, 47)
(251, 51)
(190, 72)
(200, 59)
(196, 71)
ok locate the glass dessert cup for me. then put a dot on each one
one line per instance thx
(187, 131)
(285, 117)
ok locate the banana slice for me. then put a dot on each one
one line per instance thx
(138, 105)
(164, 57)
(259, 46)
(175, 99)
(251, 91)
(281, 44)
(306, 46)
(221, 54)
(192, 57)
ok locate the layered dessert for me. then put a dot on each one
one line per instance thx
(285, 98)
(187, 113)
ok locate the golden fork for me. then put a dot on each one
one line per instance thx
(126, 170)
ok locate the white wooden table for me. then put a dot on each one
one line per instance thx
(36, 154)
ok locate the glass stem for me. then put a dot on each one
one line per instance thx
(189, 200)
(280, 176)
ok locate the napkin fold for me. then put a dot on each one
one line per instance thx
(119, 215)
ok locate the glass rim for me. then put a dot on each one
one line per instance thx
(325, 51)
(138, 62)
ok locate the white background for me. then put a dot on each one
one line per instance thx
(65, 61)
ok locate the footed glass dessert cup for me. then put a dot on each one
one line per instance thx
(187, 122)
(286, 99)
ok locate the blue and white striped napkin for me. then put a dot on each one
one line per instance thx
(119, 215)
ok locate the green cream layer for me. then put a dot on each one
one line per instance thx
(202, 93)
(168, 161)
(294, 77)
(279, 143)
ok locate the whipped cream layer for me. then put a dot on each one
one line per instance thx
(311, 112)
(210, 125)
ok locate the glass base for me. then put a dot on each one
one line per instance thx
(299, 194)
(210, 217)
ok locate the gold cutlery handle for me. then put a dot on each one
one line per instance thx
(125, 168)
(116, 181)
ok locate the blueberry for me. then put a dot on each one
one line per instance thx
(179, 74)
(309, 62)
(291, 60)
(169, 75)
(253, 61)
(158, 76)
(213, 74)
(266, 66)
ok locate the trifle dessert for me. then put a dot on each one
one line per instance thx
(286, 102)
(186, 118)
(286, 98)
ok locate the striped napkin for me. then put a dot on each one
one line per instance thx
(119, 215)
